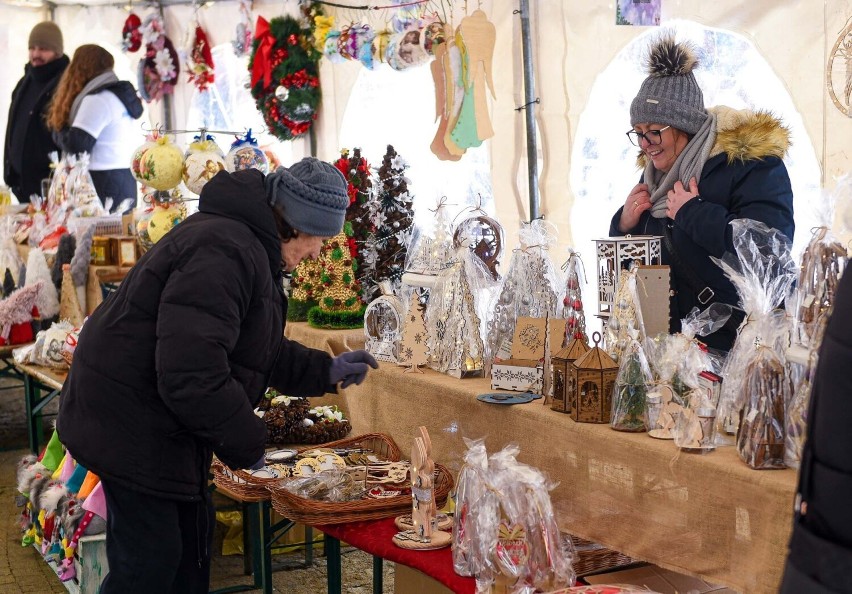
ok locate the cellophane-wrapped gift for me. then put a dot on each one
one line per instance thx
(626, 317)
(629, 404)
(823, 262)
(756, 382)
(519, 540)
(530, 288)
(471, 492)
(677, 361)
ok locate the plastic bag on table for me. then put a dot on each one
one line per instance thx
(61, 167)
(626, 317)
(763, 272)
(330, 485)
(80, 189)
(521, 542)
(629, 403)
(531, 287)
(10, 259)
(470, 493)
(823, 262)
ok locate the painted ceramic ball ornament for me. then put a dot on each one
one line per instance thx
(245, 154)
(161, 213)
(204, 159)
(161, 166)
(162, 221)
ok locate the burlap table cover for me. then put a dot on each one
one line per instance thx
(705, 515)
(332, 342)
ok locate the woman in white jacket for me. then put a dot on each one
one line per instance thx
(94, 112)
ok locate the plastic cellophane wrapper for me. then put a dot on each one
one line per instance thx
(454, 315)
(572, 300)
(532, 287)
(471, 492)
(626, 317)
(10, 259)
(521, 545)
(629, 406)
(801, 377)
(59, 175)
(329, 485)
(756, 386)
(823, 261)
(80, 190)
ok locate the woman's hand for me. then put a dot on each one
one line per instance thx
(638, 201)
(678, 196)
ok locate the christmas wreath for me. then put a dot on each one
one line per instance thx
(284, 68)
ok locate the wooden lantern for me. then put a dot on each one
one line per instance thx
(618, 253)
(590, 384)
(561, 363)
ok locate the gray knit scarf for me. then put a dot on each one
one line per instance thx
(688, 164)
(102, 80)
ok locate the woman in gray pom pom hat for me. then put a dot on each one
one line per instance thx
(701, 169)
(169, 368)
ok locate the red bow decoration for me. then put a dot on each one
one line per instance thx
(262, 66)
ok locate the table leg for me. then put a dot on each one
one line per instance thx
(332, 554)
(265, 549)
(309, 546)
(247, 552)
(378, 575)
(34, 429)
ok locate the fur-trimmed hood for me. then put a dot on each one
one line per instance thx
(744, 135)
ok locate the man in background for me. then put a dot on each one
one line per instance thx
(28, 141)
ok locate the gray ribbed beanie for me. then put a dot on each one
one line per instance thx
(670, 95)
(310, 195)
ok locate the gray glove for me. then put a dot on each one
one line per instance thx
(351, 368)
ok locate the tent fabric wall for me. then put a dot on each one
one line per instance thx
(573, 42)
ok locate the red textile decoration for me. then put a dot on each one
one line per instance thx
(262, 67)
(19, 334)
(201, 65)
(375, 538)
(131, 36)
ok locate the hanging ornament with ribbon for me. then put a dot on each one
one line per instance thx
(242, 35)
(284, 69)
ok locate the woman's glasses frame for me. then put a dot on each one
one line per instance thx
(652, 137)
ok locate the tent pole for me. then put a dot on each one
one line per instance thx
(529, 116)
(167, 99)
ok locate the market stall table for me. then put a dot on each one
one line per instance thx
(38, 379)
(706, 515)
(374, 537)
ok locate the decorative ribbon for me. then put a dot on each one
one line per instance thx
(262, 66)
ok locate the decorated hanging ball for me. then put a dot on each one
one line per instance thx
(245, 154)
(136, 159)
(204, 159)
(162, 221)
(161, 166)
(160, 214)
(282, 93)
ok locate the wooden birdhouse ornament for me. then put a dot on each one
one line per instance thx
(590, 385)
(561, 363)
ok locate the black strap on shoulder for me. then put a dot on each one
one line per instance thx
(703, 293)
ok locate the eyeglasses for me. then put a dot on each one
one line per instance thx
(652, 137)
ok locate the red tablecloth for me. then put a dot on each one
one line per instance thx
(374, 537)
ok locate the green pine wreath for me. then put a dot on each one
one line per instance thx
(284, 68)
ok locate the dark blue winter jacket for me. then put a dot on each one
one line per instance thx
(744, 177)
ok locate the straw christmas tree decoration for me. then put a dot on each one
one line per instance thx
(340, 305)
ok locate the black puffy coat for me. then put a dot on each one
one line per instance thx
(744, 178)
(38, 141)
(168, 369)
(820, 558)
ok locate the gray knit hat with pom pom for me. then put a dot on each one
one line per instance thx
(311, 196)
(670, 95)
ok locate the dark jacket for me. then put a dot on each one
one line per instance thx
(38, 142)
(821, 544)
(169, 368)
(744, 177)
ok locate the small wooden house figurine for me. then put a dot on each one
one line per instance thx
(561, 362)
(590, 385)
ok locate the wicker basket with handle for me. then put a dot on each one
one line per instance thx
(308, 511)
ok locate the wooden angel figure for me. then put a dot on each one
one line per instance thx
(441, 81)
(413, 351)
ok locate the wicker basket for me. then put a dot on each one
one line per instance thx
(312, 512)
(593, 558)
(240, 483)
